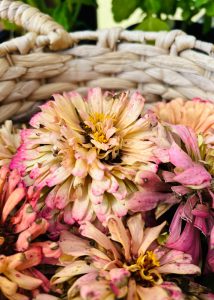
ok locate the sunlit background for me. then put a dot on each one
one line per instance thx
(105, 17)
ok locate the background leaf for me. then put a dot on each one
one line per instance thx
(122, 9)
(152, 6)
(60, 15)
(152, 24)
(168, 7)
(199, 3)
(210, 9)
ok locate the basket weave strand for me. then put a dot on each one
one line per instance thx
(161, 65)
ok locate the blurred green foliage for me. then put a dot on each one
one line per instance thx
(157, 14)
(65, 12)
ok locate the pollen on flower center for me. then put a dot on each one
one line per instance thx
(145, 266)
(98, 120)
(100, 133)
(98, 117)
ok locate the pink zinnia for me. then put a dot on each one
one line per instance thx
(127, 263)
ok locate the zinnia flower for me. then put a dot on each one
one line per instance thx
(126, 264)
(88, 151)
(20, 249)
(9, 142)
(197, 115)
(182, 178)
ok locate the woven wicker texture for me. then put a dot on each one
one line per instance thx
(159, 64)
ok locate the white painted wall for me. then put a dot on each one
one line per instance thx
(105, 17)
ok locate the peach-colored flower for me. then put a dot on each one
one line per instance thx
(128, 263)
(9, 142)
(88, 151)
(196, 114)
(19, 226)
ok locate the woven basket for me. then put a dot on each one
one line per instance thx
(47, 59)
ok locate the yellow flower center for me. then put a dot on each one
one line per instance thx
(98, 120)
(146, 266)
(98, 117)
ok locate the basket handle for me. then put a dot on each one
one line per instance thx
(47, 31)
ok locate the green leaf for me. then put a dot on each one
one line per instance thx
(210, 9)
(60, 15)
(199, 3)
(122, 9)
(168, 7)
(152, 24)
(152, 6)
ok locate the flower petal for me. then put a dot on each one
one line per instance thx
(152, 293)
(150, 234)
(119, 234)
(90, 231)
(196, 177)
(145, 200)
(23, 281)
(74, 269)
(136, 228)
(15, 197)
(177, 268)
(179, 158)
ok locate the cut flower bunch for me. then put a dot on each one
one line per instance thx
(103, 198)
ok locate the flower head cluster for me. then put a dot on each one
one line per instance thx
(129, 191)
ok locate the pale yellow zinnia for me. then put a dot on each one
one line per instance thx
(88, 151)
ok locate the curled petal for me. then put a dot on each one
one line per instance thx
(119, 234)
(136, 228)
(25, 237)
(15, 197)
(90, 231)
